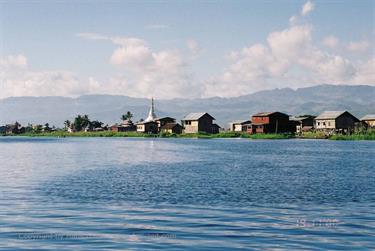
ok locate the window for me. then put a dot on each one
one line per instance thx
(187, 122)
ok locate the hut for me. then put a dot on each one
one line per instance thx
(199, 122)
(240, 125)
(303, 123)
(336, 121)
(369, 120)
(147, 127)
(271, 122)
(171, 128)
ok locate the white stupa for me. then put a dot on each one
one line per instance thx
(151, 113)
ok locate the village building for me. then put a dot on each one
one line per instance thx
(15, 128)
(271, 122)
(215, 128)
(240, 125)
(147, 127)
(163, 121)
(125, 126)
(172, 128)
(199, 122)
(303, 123)
(151, 114)
(369, 120)
(336, 121)
(3, 129)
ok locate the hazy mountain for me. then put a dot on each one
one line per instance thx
(359, 100)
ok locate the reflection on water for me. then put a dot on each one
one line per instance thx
(115, 193)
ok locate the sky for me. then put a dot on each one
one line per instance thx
(183, 49)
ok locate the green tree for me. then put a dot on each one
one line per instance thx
(78, 123)
(128, 115)
(96, 124)
(67, 124)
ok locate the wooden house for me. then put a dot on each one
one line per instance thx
(171, 128)
(369, 120)
(199, 122)
(215, 128)
(163, 121)
(303, 123)
(126, 126)
(240, 125)
(336, 121)
(147, 127)
(271, 122)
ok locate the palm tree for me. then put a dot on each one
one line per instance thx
(126, 116)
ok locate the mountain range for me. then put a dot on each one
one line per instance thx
(357, 99)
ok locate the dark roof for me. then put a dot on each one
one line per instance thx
(263, 114)
(164, 118)
(170, 126)
(146, 122)
(266, 114)
(216, 125)
(301, 118)
(242, 122)
(196, 116)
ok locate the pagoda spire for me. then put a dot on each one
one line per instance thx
(151, 113)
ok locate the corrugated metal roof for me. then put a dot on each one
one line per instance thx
(145, 122)
(196, 116)
(300, 118)
(369, 117)
(241, 121)
(330, 114)
(262, 114)
(164, 118)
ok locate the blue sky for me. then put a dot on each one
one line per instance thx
(182, 48)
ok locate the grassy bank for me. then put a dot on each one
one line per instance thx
(162, 135)
(235, 135)
(362, 135)
(355, 136)
(88, 134)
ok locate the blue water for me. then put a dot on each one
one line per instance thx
(186, 194)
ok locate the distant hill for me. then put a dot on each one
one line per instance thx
(359, 100)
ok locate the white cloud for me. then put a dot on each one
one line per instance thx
(307, 8)
(366, 73)
(132, 56)
(359, 46)
(17, 80)
(330, 41)
(13, 61)
(193, 47)
(144, 72)
(293, 19)
(93, 36)
(288, 59)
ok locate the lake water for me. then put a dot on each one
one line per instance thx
(219, 194)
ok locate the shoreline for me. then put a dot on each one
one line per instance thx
(222, 135)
